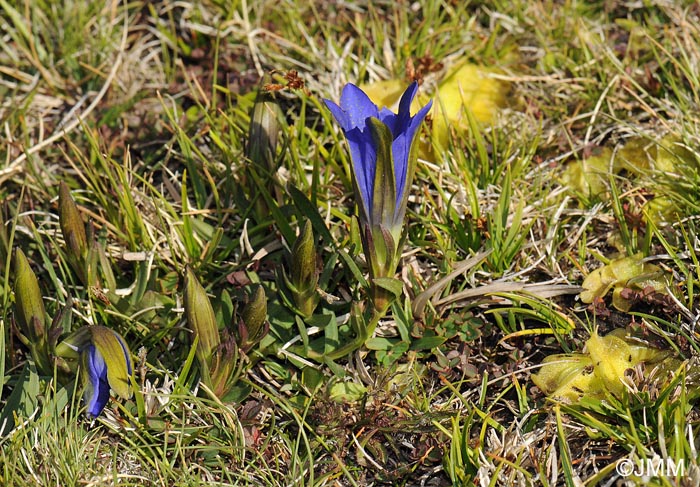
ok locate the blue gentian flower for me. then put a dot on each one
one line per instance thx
(355, 114)
(384, 156)
(97, 389)
(107, 361)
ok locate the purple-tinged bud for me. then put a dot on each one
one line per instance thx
(253, 325)
(72, 225)
(303, 279)
(30, 313)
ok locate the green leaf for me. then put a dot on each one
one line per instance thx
(331, 341)
(237, 393)
(312, 378)
(140, 403)
(180, 386)
(427, 343)
(302, 332)
(2, 361)
(337, 369)
(225, 310)
(380, 343)
(352, 266)
(23, 401)
(347, 391)
(394, 286)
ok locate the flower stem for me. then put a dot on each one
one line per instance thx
(359, 341)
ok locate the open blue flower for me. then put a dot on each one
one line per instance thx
(383, 202)
(383, 152)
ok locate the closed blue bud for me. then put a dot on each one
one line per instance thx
(97, 389)
(106, 362)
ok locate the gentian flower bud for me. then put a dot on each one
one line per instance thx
(303, 278)
(253, 325)
(383, 150)
(264, 132)
(106, 364)
(30, 313)
(73, 230)
(261, 151)
(107, 361)
(202, 321)
(225, 365)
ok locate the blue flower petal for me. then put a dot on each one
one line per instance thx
(390, 119)
(407, 99)
(97, 388)
(401, 147)
(357, 105)
(340, 116)
(364, 161)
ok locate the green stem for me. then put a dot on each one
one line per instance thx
(359, 341)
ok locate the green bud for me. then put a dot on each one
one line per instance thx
(30, 313)
(303, 264)
(304, 272)
(264, 131)
(253, 325)
(261, 151)
(73, 230)
(29, 303)
(202, 321)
